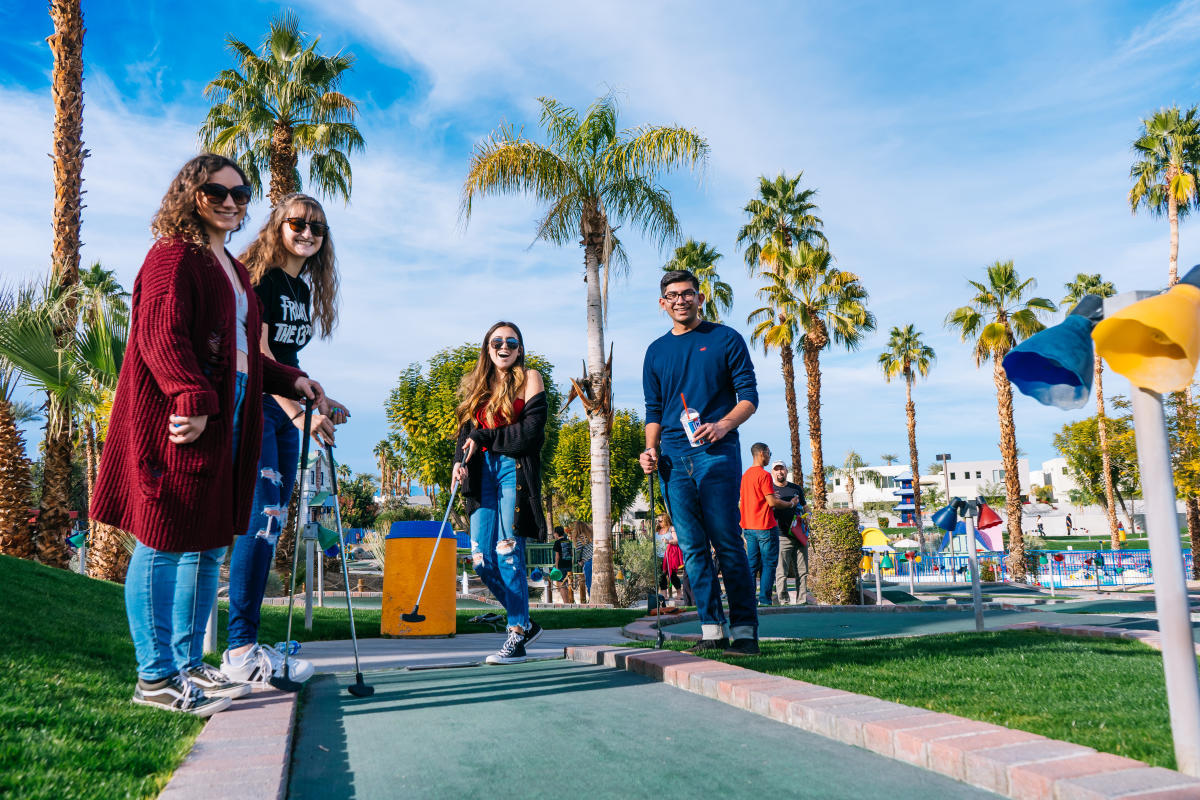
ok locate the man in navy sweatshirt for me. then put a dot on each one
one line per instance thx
(709, 365)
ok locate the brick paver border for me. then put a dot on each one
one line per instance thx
(1016, 764)
(244, 751)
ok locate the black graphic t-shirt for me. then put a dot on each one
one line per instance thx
(286, 306)
(562, 554)
(785, 516)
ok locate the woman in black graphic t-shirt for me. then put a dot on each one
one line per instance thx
(291, 265)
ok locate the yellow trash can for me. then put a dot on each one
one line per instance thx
(409, 545)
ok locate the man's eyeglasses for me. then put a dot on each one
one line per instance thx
(687, 295)
(509, 343)
(217, 193)
(298, 224)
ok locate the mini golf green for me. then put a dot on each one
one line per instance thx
(557, 729)
(867, 624)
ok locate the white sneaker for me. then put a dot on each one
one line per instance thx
(261, 663)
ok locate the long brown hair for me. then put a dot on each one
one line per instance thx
(267, 251)
(475, 390)
(177, 216)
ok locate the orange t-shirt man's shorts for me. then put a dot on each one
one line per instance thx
(756, 514)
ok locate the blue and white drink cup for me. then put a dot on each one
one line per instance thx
(690, 419)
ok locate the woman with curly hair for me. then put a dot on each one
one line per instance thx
(179, 459)
(292, 267)
(502, 426)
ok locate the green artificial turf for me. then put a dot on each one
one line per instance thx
(67, 728)
(1103, 693)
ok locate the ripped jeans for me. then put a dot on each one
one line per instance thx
(250, 563)
(498, 552)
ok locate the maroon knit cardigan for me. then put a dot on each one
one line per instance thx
(181, 359)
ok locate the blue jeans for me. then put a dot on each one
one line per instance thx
(497, 550)
(169, 595)
(701, 491)
(587, 575)
(250, 563)
(762, 548)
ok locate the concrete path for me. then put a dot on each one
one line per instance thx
(469, 648)
(559, 729)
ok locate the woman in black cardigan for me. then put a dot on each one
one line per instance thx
(502, 426)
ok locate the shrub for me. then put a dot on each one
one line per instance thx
(882, 522)
(835, 552)
(987, 571)
(633, 558)
(400, 513)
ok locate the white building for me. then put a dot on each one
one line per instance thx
(967, 479)
(1057, 476)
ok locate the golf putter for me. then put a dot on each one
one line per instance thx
(360, 687)
(286, 683)
(415, 615)
(654, 569)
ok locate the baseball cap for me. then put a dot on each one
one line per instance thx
(778, 463)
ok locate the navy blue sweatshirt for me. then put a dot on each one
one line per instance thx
(711, 366)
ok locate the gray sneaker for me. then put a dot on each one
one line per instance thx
(215, 683)
(178, 693)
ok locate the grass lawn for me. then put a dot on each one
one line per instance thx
(67, 728)
(1102, 693)
(332, 622)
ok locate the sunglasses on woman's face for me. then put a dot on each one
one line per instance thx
(509, 343)
(217, 193)
(298, 224)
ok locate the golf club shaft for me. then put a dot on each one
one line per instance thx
(337, 510)
(436, 542)
(654, 564)
(296, 540)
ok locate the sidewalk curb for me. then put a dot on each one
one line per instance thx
(1012, 763)
(1147, 637)
(245, 751)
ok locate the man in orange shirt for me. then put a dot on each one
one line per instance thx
(758, 521)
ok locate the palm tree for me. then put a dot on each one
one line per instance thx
(700, 259)
(15, 480)
(995, 319)
(783, 213)
(1085, 284)
(830, 307)
(907, 356)
(102, 294)
(593, 177)
(851, 465)
(1167, 170)
(777, 324)
(889, 458)
(66, 44)
(281, 104)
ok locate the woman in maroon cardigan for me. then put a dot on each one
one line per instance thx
(178, 464)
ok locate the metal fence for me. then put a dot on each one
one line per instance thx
(1058, 568)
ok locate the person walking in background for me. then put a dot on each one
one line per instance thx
(758, 500)
(673, 576)
(179, 460)
(291, 264)
(1070, 524)
(699, 467)
(502, 426)
(793, 549)
(563, 555)
(1041, 530)
(584, 553)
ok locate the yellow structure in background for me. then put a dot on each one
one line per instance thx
(408, 547)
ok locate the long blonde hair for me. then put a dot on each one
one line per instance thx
(475, 391)
(267, 251)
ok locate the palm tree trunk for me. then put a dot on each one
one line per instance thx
(1105, 456)
(788, 357)
(850, 487)
(812, 370)
(15, 489)
(1012, 478)
(911, 410)
(66, 43)
(282, 164)
(599, 419)
(1173, 257)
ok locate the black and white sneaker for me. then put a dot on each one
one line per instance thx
(215, 683)
(531, 634)
(512, 651)
(177, 693)
(708, 647)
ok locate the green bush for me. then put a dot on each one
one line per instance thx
(987, 571)
(633, 557)
(400, 513)
(835, 551)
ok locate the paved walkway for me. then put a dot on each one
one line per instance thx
(559, 729)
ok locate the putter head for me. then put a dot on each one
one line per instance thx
(360, 689)
(284, 684)
(413, 616)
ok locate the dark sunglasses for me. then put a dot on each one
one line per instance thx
(510, 342)
(217, 193)
(298, 224)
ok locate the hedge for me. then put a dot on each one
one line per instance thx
(834, 553)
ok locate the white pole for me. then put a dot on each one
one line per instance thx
(875, 559)
(1170, 588)
(976, 590)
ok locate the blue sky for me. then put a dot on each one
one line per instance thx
(941, 137)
